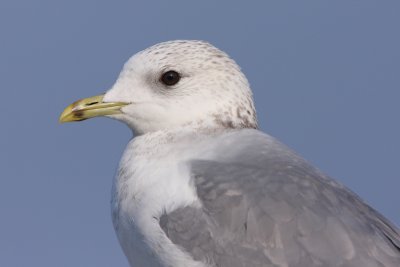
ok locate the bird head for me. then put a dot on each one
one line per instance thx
(174, 84)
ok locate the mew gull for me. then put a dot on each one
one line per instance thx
(200, 185)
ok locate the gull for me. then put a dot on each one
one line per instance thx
(200, 185)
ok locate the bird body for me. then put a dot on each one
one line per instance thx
(200, 186)
(213, 199)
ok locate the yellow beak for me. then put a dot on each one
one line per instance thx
(90, 107)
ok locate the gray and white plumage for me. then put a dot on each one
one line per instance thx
(199, 185)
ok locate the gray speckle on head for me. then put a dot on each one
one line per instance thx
(212, 91)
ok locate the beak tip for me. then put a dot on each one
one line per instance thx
(65, 115)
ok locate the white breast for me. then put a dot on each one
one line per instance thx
(152, 179)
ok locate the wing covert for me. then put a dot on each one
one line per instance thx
(263, 210)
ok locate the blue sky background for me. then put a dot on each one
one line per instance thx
(325, 75)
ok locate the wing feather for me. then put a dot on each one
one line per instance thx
(262, 205)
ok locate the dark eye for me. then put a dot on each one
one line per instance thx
(170, 77)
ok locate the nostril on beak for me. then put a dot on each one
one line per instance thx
(92, 103)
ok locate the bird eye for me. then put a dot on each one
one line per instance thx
(170, 77)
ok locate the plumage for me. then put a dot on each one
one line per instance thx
(265, 206)
(200, 186)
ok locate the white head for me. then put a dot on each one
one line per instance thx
(210, 89)
(206, 89)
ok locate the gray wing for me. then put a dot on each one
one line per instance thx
(262, 205)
